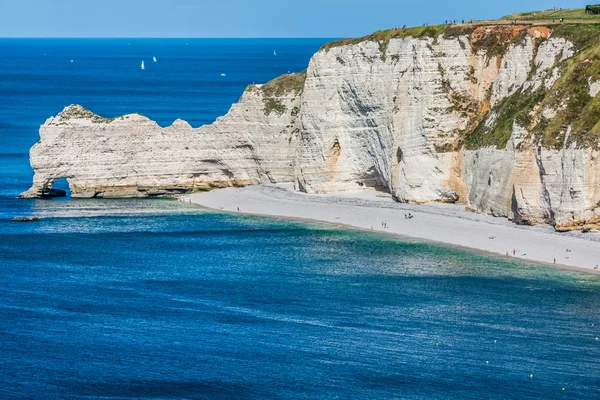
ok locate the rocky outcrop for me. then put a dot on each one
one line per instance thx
(504, 119)
(132, 156)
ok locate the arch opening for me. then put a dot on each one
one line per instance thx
(58, 187)
(63, 185)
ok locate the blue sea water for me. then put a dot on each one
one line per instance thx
(155, 299)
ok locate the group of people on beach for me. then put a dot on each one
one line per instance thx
(514, 252)
(408, 216)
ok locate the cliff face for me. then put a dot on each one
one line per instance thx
(450, 118)
(505, 119)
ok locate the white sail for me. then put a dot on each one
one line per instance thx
(274, 52)
(143, 65)
(154, 59)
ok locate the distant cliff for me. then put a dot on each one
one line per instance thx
(503, 118)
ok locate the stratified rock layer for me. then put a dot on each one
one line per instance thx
(486, 115)
(132, 156)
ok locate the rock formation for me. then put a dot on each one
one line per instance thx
(503, 118)
(132, 156)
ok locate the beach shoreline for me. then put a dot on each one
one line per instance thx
(442, 224)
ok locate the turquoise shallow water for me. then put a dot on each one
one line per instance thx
(157, 299)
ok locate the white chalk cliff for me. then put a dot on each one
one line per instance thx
(132, 156)
(479, 115)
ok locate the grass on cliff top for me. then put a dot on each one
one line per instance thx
(78, 111)
(284, 84)
(495, 42)
(75, 111)
(383, 37)
(573, 14)
(278, 87)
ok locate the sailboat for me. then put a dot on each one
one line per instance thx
(274, 52)
(143, 65)
(154, 59)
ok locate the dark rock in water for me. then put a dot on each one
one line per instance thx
(54, 193)
(26, 219)
(45, 193)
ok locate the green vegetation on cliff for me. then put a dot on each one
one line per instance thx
(273, 90)
(573, 14)
(285, 84)
(570, 95)
(76, 111)
(493, 43)
(383, 37)
(564, 114)
(273, 105)
(496, 130)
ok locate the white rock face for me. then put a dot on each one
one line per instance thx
(131, 156)
(514, 69)
(392, 118)
(594, 87)
(559, 187)
(548, 53)
(370, 122)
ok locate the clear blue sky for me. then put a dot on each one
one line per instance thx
(241, 18)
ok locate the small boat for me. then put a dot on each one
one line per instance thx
(71, 60)
(223, 75)
(143, 65)
(274, 52)
(154, 59)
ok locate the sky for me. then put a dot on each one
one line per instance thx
(242, 18)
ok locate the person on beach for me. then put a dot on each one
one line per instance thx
(554, 260)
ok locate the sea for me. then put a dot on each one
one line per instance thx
(157, 299)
